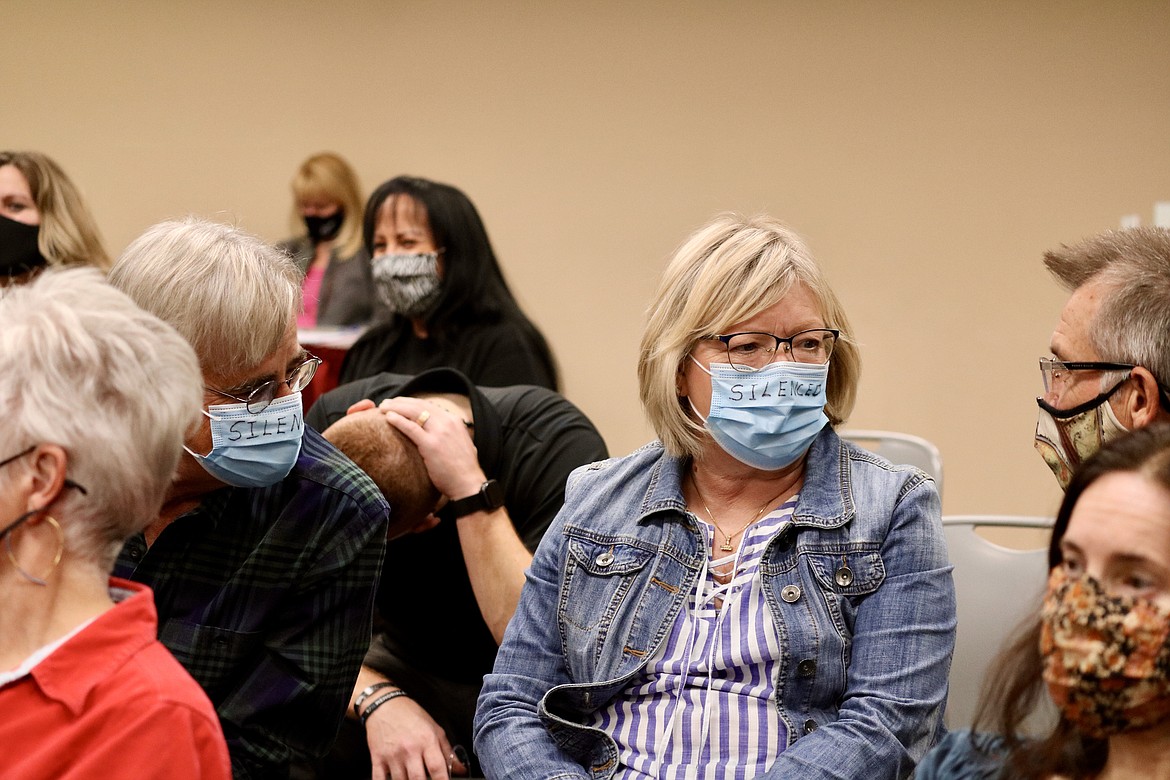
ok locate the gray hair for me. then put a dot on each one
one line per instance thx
(114, 386)
(231, 295)
(729, 270)
(1133, 323)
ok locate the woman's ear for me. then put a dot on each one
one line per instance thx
(46, 479)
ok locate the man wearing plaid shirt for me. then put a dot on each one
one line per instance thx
(265, 558)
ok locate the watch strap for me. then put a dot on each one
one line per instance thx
(490, 497)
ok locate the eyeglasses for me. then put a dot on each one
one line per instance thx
(263, 394)
(752, 351)
(1056, 373)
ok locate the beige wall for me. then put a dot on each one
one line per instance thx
(929, 151)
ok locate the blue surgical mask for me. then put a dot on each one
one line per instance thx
(253, 450)
(767, 418)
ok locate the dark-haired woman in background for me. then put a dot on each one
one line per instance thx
(1098, 644)
(434, 268)
(337, 285)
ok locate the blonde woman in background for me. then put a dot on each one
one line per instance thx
(43, 220)
(328, 213)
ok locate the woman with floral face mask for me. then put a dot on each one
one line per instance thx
(1099, 644)
(435, 271)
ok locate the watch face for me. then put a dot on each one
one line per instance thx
(493, 494)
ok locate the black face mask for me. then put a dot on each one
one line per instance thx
(324, 228)
(19, 252)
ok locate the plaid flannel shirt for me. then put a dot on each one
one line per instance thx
(265, 596)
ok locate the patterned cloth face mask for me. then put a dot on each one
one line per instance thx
(408, 284)
(1106, 658)
(1066, 438)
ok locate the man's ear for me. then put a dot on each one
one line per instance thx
(1143, 404)
(360, 406)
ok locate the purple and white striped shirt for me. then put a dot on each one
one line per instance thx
(704, 704)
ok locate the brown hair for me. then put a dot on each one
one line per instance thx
(392, 461)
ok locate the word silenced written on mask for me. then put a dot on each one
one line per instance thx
(782, 388)
(242, 430)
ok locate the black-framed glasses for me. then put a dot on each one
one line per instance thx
(1056, 373)
(15, 524)
(263, 394)
(752, 351)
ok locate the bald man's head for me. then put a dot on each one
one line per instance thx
(392, 461)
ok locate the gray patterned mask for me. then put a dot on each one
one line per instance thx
(408, 284)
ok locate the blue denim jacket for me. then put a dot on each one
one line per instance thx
(864, 678)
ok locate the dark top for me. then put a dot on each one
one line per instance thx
(529, 439)
(493, 354)
(963, 756)
(347, 291)
(266, 596)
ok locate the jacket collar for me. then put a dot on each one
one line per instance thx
(826, 497)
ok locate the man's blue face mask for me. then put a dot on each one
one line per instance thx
(253, 450)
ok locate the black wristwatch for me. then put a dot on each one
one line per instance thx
(489, 498)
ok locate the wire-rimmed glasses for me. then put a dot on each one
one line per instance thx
(752, 351)
(263, 394)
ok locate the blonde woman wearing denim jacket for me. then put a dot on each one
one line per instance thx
(749, 596)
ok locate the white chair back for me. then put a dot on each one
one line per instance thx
(996, 588)
(902, 449)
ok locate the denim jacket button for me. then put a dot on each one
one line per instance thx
(844, 576)
(603, 560)
(790, 593)
(810, 726)
(806, 668)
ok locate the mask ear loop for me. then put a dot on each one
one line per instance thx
(56, 558)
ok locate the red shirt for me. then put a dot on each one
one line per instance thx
(111, 703)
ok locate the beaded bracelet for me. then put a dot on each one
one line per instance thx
(357, 705)
(378, 702)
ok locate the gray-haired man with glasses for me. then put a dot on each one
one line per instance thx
(1110, 365)
(265, 557)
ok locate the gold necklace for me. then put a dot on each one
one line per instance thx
(728, 539)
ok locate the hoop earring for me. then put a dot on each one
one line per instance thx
(56, 558)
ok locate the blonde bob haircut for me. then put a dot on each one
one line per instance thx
(232, 296)
(327, 176)
(728, 271)
(68, 233)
